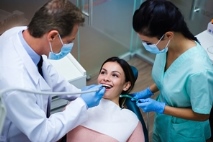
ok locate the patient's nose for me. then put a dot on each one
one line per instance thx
(107, 77)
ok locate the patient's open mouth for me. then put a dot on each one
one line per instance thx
(107, 86)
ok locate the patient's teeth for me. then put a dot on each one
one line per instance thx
(106, 86)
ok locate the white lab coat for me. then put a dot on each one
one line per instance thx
(26, 113)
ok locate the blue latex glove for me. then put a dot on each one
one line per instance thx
(73, 97)
(149, 104)
(88, 87)
(146, 93)
(92, 99)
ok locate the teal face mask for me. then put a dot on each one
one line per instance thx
(153, 47)
(66, 49)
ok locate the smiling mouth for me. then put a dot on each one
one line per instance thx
(107, 86)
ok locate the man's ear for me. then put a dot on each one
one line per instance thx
(51, 35)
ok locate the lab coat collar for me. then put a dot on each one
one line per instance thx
(30, 66)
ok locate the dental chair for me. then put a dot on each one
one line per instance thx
(131, 105)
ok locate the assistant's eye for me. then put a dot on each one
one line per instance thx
(148, 43)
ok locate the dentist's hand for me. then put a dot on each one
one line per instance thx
(92, 99)
(146, 93)
(149, 104)
(73, 97)
(88, 87)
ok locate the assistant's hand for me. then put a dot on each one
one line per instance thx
(149, 104)
(146, 93)
(92, 99)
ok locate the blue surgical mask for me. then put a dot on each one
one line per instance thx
(66, 49)
(153, 47)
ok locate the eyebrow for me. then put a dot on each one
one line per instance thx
(144, 41)
(112, 71)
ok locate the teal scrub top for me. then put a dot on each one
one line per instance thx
(187, 83)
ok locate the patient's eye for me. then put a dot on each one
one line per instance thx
(115, 75)
(102, 72)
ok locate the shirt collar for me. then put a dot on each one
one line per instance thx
(33, 55)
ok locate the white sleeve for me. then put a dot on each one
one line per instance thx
(26, 111)
(26, 115)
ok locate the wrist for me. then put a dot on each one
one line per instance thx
(162, 106)
(150, 92)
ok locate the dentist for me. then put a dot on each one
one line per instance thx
(50, 34)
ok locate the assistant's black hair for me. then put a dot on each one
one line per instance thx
(156, 17)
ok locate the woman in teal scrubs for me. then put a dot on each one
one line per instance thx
(182, 73)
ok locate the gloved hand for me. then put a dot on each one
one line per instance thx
(72, 97)
(88, 87)
(92, 99)
(149, 104)
(146, 93)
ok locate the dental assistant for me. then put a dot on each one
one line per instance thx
(182, 73)
(50, 34)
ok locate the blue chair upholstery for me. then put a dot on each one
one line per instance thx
(131, 105)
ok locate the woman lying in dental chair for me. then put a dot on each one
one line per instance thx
(110, 121)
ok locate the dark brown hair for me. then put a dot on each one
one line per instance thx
(60, 15)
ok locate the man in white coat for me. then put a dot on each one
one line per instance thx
(50, 34)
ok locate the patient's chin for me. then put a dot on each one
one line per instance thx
(106, 96)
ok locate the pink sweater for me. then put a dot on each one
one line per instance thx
(82, 134)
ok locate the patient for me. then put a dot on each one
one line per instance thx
(110, 121)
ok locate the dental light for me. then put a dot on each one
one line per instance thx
(3, 110)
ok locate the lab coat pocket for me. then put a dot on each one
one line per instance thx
(187, 130)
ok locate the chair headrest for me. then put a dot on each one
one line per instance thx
(135, 72)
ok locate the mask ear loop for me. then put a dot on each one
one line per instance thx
(60, 39)
(168, 43)
(160, 39)
(51, 49)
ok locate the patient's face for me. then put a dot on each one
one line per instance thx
(112, 75)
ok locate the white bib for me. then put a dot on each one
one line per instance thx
(109, 119)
